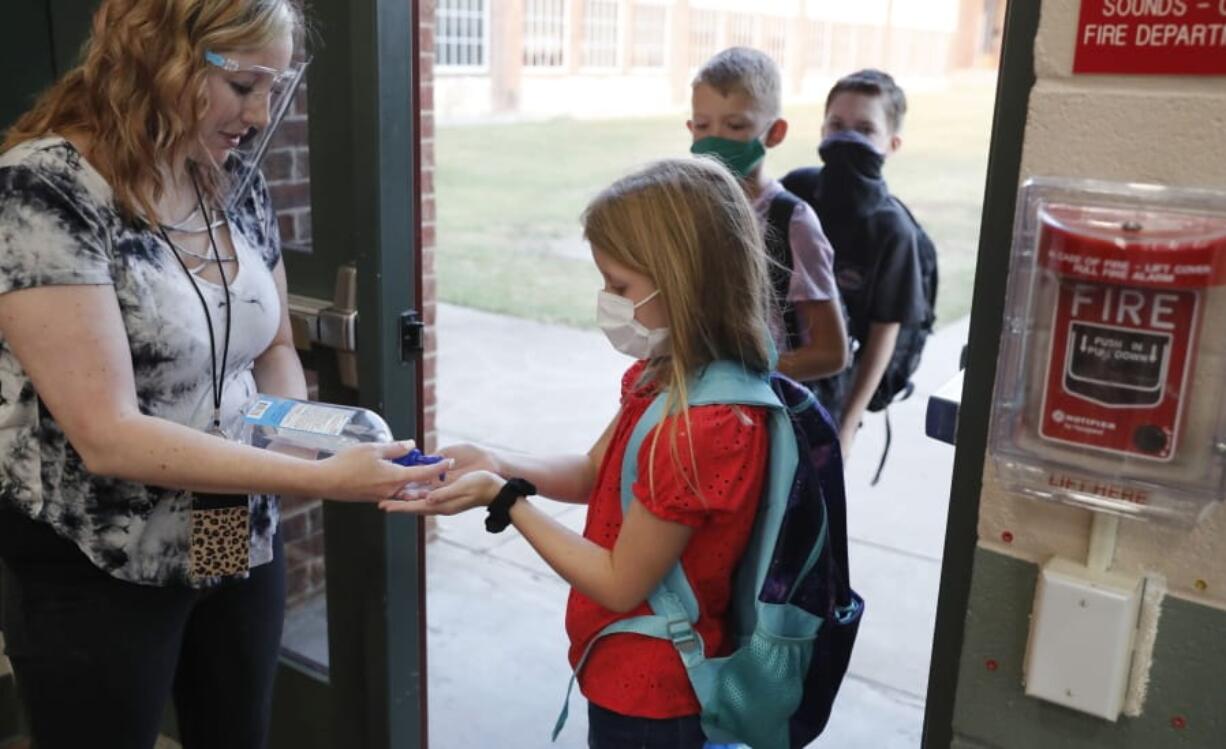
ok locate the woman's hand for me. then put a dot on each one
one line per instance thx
(366, 473)
(468, 458)
(473, 489)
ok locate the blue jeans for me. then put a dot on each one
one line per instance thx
(610, 730)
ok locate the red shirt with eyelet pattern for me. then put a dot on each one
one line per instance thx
(642, 676)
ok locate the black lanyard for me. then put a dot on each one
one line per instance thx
(218, 383)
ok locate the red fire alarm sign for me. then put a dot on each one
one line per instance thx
(1152, 37)
(1109, 390)
(1124, 329)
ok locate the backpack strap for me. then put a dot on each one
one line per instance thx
(673, 603)
(720, 382)
(779, 250)
(928, 264)
(691, 648)
(803, 183)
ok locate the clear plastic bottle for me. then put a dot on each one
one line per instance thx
(316, 430)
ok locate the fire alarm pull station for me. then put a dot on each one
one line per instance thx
(1109, 390)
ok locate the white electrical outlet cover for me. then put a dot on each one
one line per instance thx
(1081, 637)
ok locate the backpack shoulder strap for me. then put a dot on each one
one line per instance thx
(803, 183)
(905, 209)
(720, 382)
(779, 249)
(673, 603)
(778, 239)
(928, 262)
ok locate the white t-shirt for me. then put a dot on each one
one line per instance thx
(59, 226)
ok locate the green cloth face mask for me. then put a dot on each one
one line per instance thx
(740, 156)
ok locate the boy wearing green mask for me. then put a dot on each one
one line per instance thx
(735, 117)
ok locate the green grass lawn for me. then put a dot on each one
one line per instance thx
(509, 197)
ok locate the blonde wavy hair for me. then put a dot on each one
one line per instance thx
(687, 225)
(140, 90)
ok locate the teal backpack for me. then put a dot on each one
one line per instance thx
(793, 615)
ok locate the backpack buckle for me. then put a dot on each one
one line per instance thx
(681, 632)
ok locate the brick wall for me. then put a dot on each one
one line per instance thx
(428, 291)
(287, 169)
(302, 528)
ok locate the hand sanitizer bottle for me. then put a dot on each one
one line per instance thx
(316, 430)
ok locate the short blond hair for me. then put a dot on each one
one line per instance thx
(748, 71)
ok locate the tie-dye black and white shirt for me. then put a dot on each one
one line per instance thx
(59, 226)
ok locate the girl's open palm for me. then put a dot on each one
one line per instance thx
(468, 458)
(475, 489)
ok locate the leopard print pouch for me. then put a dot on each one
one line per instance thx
(220, 536)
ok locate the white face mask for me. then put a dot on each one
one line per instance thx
(615, 316)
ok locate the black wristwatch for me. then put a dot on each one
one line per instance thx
(499, 516)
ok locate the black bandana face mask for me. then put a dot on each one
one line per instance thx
(851, 152)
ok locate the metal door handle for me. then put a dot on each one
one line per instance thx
(318, 322)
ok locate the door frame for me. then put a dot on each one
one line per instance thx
(364, 120)
(1013, 87)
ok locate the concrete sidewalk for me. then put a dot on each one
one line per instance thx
(497, 649)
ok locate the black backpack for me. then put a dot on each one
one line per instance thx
(896, 382)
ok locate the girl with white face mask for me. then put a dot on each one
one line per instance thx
(685, 285)
(617, 317)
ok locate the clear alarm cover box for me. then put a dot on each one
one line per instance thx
(1109, 386)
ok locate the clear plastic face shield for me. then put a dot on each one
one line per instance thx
(279, 86)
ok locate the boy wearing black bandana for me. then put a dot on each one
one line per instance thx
(877, 263)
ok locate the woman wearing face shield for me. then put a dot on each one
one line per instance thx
(142, 302)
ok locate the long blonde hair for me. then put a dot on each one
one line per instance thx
(687, 225)
(140, 90)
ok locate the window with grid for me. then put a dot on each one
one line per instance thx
(817, 45)
(650, 30)
(704, 36)
(544, 33)
(869, 47)
(843, 47)
(462, 33)
(775, 38)
(600, 33)
(741, 29)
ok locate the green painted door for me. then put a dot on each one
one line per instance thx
(364, 183)
(362, 684)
